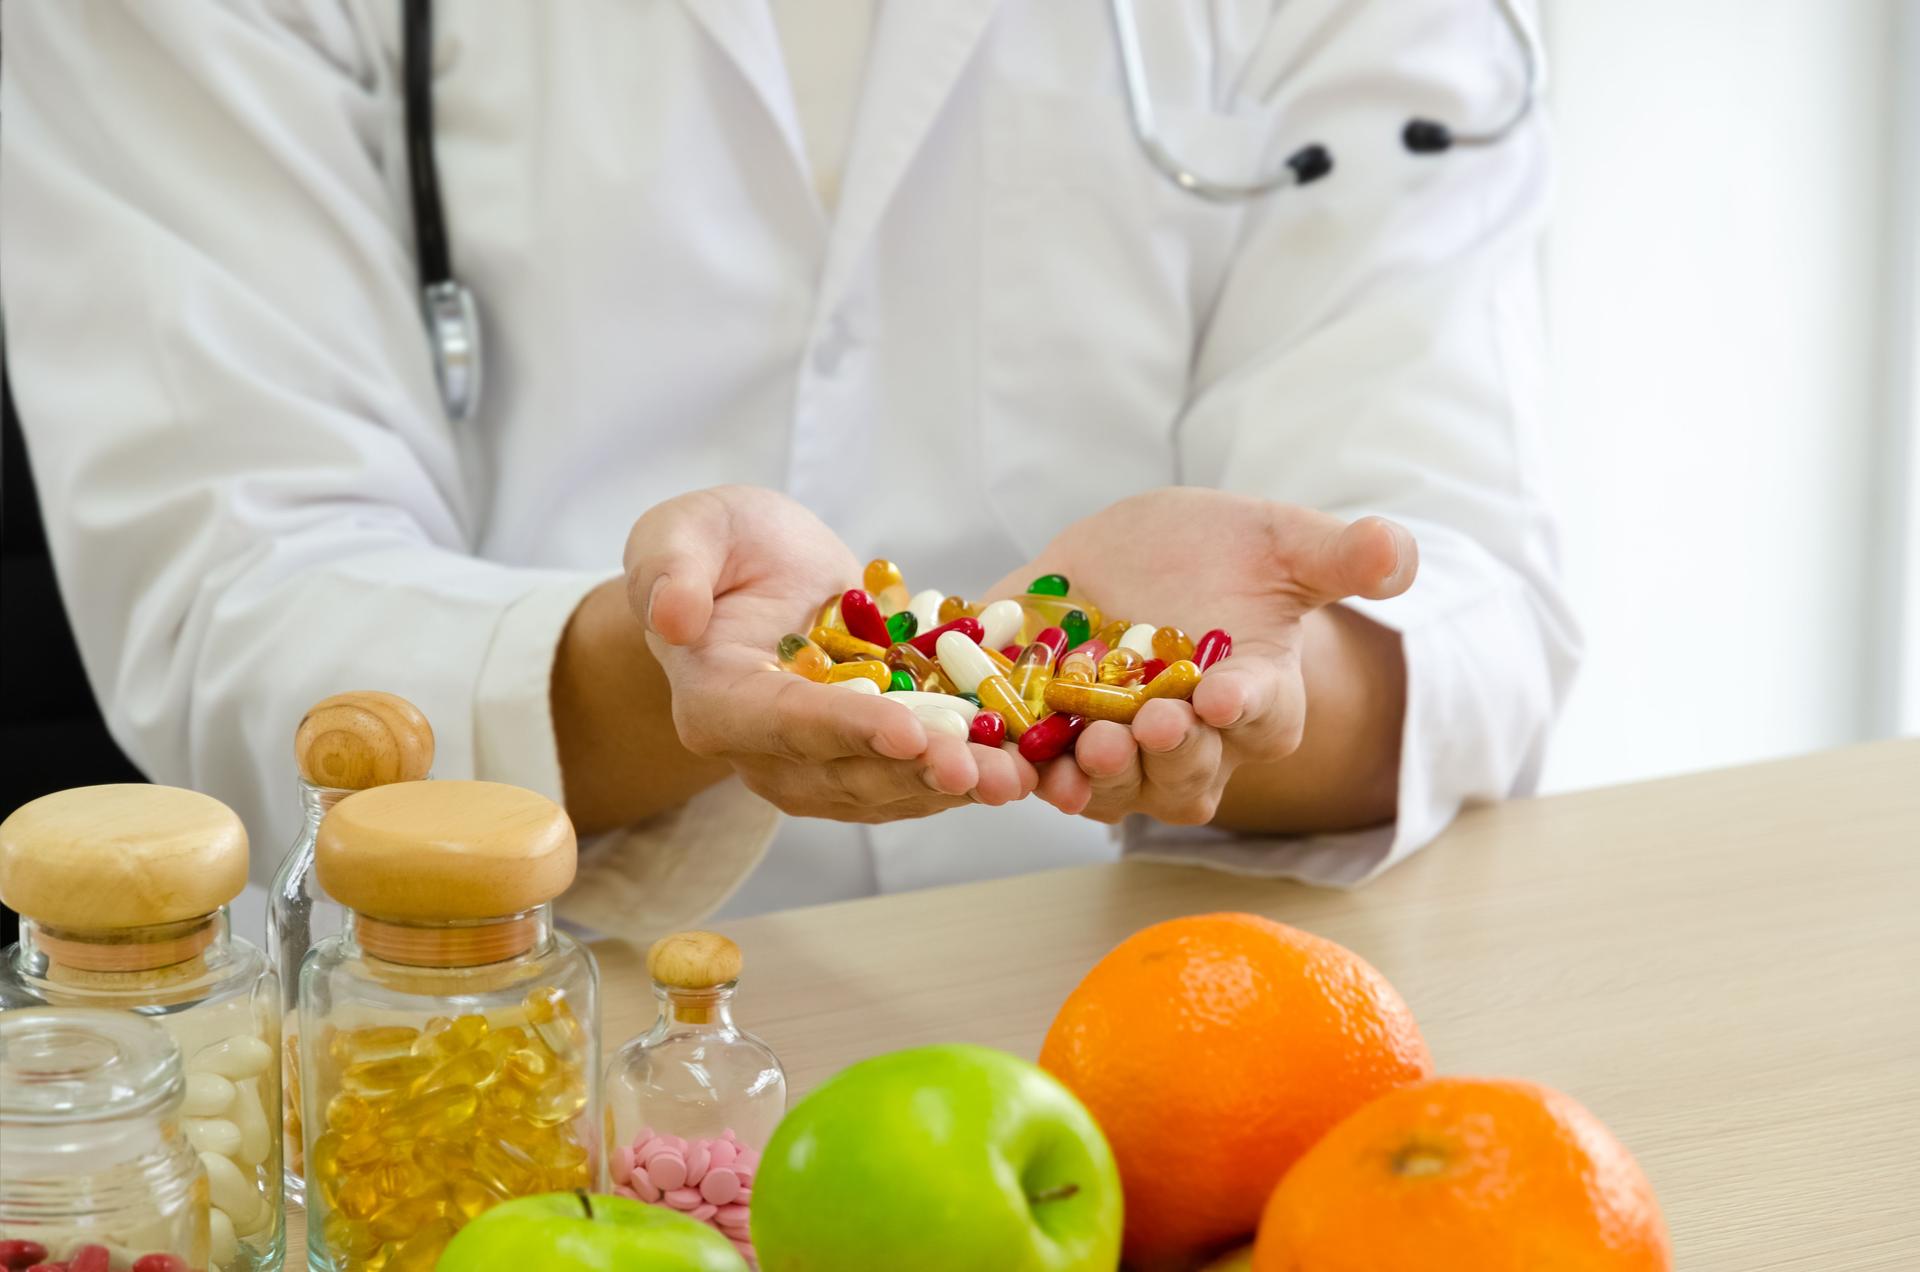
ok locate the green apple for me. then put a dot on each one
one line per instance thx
(939, 1159)
(572, 1232)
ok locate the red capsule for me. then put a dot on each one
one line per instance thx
(863, 619)
(988, 729)
(1054, 639)
(1149, 669)
(1010, 652)
(21, 1254)
(159, 1263)
(968, 627)
(1050, 738)
(89, 1258)
(1211, 648)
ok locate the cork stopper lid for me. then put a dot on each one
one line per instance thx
(694, 961)
(125, 856)
(434, 851)
(364, 738)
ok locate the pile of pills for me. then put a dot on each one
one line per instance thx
(31, 1256)
(706, 1179)
(1032, 669)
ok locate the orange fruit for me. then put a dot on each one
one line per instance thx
(1214, 1050)
(1465, 1173)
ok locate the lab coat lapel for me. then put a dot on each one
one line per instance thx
(919, 49)
(744, 30)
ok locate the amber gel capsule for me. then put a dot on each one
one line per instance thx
(1120, 667)
(804, 658)
(1095, 702)
(1170, 645)
(845, 647)
(907, 658)
(1032, 672)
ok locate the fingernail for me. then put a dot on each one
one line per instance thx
(653, 594)
(933, 783)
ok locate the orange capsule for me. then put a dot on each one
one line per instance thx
(1110, 633)
(1120, 667)
(996, 694)
(953, 607)
(1170, 645)
(845, 647)
(1177, 681)
(880, 575)
(863, 669)
(804, 658)
(1095, 701)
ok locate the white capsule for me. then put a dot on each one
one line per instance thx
(226, 1242)
(231, 1191)
(1003, 621)
(236, 1058)
(944, 701)
(859, 684)
(1139, 638)
(939, 721)
(212, 1135)
(250, 1115)
(925, 608)
(208, 1095)
(965, 663)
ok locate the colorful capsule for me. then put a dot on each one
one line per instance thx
(996, 695)
(1001, 622)
(1000, 657)
(1117, 667)
(870, 669)
(953, 703)
(385, 1077)
(1211, 648)
(1051, 611)
(802, 657)
(988, 729)
(937, 721)
(1054, 639)
(1170, 644)
(1049, 585)
(1031, 672)
(880, 575)
(1110, 632)
(953, 607)
(961, 657)
(1149, 669)
(1010, 651)
(1051, 737)
(925, 607)
(901, 625)
(862, 617)
(1081, 663)
(928, 641)
(828, 615)
(1177, 681)
(901, 681)
(1095, 702)
(844, 646)
(1138, 638)
(905, 657)
(1077, 626)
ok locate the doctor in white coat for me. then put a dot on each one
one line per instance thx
(896, 279)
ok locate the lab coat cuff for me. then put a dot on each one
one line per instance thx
(513, 737)
(1478, 705)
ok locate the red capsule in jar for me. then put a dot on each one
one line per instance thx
(988, 729)
(89, 1258)
(1211, 648)
(1051, 738)
(926, 642)
(16, 1253)
(863, 617)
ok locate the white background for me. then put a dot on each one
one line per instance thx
(1728, 284)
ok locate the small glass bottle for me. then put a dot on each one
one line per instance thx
(91, 1147)
(346, 743)
(692, 1101)
(450, 1034)
(122, 893)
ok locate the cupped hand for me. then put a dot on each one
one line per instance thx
(1199, 559)
(717, 577)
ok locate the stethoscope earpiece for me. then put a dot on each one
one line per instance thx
(1426, 136)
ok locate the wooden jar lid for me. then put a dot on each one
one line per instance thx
(103, 857)
(694, 961)
(365, 738)
(430, 851)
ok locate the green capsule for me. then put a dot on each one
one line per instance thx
(902, 680)
(902, 626)
(1076, 627)
(974, 698)
(1049, 585)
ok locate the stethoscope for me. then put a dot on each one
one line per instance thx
(452, 316)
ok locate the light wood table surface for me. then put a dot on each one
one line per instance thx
(1725, 967)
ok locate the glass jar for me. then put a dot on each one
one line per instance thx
(692, 1101)
(346, 743)
(122, 893)
(451, 1035)
(91, 1148)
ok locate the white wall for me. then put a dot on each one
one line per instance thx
(1717, 313)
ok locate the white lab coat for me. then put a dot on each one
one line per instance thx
(1010, 321)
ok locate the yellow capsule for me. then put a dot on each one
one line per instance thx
(880, 575)
(803, 658)
(324, 1164)
(554, 1023)
(1051, 611)
(378, 1042)
(1177, 681)
(359, 1149)
(1078, 666)
(508, 1095)
(399, 1177)
(419, 1252)
(375, 1262)
(472, 1196)
(530, 1066)
(347, 1112)
(350, 1237)
(359, 1198)
(1109, 634)
(407, 1216)
(1120, 667)
(998, 659)
(559, 1101)
(1170, 645)
(828, 615)
(468, 1069)
(845, 646)
(504, 1167)
(863, 669)
(383, 1077)
(1095, 702)
(904, 657)
(953, 607)
(996, 694)
(444, 1111)
(559, 1152)
(892, 600)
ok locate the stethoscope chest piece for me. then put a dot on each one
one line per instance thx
(453, 329)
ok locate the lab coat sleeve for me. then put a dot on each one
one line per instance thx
(1376, 348)
(252, 496)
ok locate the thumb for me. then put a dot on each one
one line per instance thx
(1372, 558)
(674, 556)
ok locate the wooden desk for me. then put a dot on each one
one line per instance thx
(1725, 967)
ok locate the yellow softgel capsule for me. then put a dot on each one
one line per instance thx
(350, 1237)
(557, 1102)
(469, 1068)
(872, 669)
(348, 1112)
(1120, 667)
(405, 1217)
(1094, 701)
(1170, 645)
(1000, 660)
(471, 1195)
(953, 607)
(1078, 666)
(379, 1042)
(1177, 681)
(880, 575)
(383, 1077)
(997, 694)
(845, 646)
(420, 1251)
(803, 658)
(440, 1112)
(1110, 632)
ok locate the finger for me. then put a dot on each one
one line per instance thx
(950, 765)
(1256, 700)
(1182, 784)
(1330, 559)
(776, 713)
(1108, 756)
(675, 554)
(1064, 785)
(1004, 775)
(877, 782)
(815, 791)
